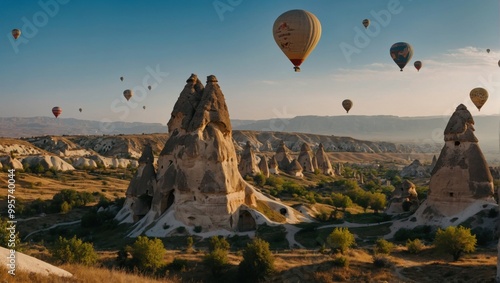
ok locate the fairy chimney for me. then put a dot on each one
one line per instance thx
(248, 164)
(305, 158)
(324, 164)
(264, 166)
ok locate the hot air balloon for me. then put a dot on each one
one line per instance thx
(347, 104)
(479, 96)
(417, 65)
(488, 50)
(149, 87)
(80, 110)
(144, 107)
(498, 63)
(56, 111)
(297, 32)
(366, 23)
(121, 79)
(16, 33)
(128, 94)
(401, 53)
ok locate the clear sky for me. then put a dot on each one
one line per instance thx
(72, 53)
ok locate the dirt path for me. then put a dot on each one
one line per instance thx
(52, 227)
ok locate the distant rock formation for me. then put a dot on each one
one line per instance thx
(264, 166)
(283, 156)
(295, 169)
(273, 166)
(198, 183)
(47, 162)
(82, 162)
(324, 164)
(11, 163)
(404, 199)
(415, 170)
(433, 163)
(248, 164)
(461, 176)
(306, 158)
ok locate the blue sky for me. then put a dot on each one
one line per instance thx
(73, 53)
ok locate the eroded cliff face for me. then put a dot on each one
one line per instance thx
(461, 175)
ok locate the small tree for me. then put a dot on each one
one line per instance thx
(5, 232)
(257, 263)
(216, 260)
(147, 254)
(415, 246)
(218, 243)
(384, 247)
(74, 251)
(340, 239)
(189, 243)
(378, 201)
(455, 241)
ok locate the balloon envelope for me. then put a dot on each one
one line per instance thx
(417, 65)
(56, 111)
(401, 53)
(366, 23)
(347, 104)
(144, 107)
(16, 33)
(121, 79)
(488, 50)
(297, 32)
(498, 63)
(128, 94)
(479, 96)
(80, 109)
(149, 87)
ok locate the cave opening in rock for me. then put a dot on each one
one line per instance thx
(246, 222)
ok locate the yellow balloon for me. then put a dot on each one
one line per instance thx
(479, 96)
(297, 32)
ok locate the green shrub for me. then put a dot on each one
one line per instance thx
(5, 229)
(197, 229)
(147, 254)
(383, 247)
(259, 179)
(180, 229)
(74, 251)
(340, 239)
(415, 246)
(455, 241)
(382, 261)
(189, 243)
(178, 264)
(257, 263)
(217, 242)
(216, 261)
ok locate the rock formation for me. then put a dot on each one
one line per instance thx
(415, 170)
(283, 156)
(47, 162)
(273, 166)
(198, 183)
(12, 163)
(324, 164)
(295, 169)
(306, 158)
(404, 198)
(142, 186)
(248, 164)
(461, 176)
(264, 166)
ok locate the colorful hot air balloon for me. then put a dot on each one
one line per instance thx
(16, 33)
(366, 23)
(80, 110)
(479, 96)
(401, 53)
(149, 87)
(488, 50)
(347, 104)
(121, 79)
(128, 94)
(56, 111)
(297, 32)
(417, 65)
